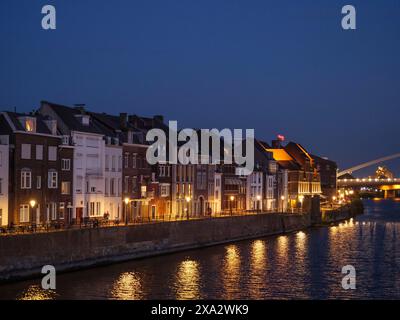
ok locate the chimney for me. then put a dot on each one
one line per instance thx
(276, 144)
(133, 119)
(123, 120)
(159, 118)
(80, 107)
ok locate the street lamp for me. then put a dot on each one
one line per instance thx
(258, 202)
(232, 198)
(301, 199)
(32, 203)
(187, 207)
(283, 199)
(126, 200)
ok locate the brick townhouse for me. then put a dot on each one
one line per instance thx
(40, 170)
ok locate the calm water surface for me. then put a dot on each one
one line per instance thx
(301, 265)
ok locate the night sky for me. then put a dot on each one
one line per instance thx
(276, 66)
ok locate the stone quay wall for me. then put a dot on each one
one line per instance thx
(23, 256)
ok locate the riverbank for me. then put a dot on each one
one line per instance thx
(23, 256)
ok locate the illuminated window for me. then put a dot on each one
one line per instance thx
(65, 187)
(24, 213)
(144, 190)
(30, 125)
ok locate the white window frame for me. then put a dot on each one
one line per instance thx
(66, 164)
(52, 181)
(26, 179)
(24, 213)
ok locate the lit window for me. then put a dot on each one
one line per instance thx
(65, 187)
(30, 125)
(24, 213)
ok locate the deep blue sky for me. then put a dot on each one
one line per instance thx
(276, 66)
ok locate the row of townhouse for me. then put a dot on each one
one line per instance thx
(67, 164)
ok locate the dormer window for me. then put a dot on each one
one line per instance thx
(84, 119)
(29, 123)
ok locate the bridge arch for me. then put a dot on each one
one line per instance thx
(368, 164)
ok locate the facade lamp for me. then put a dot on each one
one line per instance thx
(32, 203)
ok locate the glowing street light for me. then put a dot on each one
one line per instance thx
(232, 198)
(187, 209)
(32, 203)
(126, 201)
(283, 199)
(258, 202)
(301, 199)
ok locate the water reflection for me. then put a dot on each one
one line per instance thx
(187, 280)
(35, 292)
(293, 266)
(258, 268)
(282, 248)
(301, 239)
(128, 287)
(231, 272)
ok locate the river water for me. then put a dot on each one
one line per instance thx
(301, 265)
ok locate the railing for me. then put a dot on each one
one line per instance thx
(86, 223)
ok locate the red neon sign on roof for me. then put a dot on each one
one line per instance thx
(280, 137)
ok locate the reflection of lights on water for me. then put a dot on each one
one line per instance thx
(300, 235)
(231, 271)
(37, 293)
(301, 241)
(258, 252)
(128, 287)
(232, 256)
(282, 246)
(257, 269)
(187, 280)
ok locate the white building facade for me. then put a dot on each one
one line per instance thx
(89, 175)
(254, 191)
(113, 179)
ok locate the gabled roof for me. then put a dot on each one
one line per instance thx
(319, 159)
(283, 158)
(112, 124)
(70, 117)
(16, 124)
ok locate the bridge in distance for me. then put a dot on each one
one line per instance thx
(388, 185)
